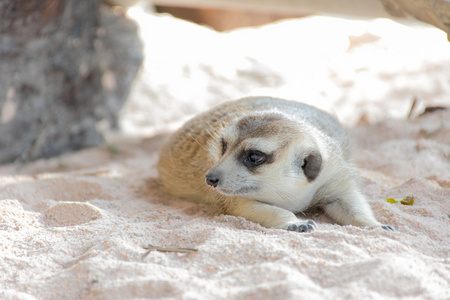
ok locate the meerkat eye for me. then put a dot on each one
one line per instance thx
(254, 158)
(224, 146)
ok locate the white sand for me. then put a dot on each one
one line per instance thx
(74, 227)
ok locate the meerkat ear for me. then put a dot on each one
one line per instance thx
(311, 165)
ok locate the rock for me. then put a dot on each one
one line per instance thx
(434, 12)
(63, 75)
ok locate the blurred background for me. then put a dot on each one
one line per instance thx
(74, 74)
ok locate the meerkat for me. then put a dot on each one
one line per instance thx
(266, 159)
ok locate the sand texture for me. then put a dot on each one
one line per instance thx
(94, 225)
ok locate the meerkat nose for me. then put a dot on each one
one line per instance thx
(212, 180)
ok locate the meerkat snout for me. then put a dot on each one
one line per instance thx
(212, 180)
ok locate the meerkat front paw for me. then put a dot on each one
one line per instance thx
(309, 226)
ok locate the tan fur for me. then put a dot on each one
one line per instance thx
(307, 163)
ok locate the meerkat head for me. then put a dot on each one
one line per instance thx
(267, 157)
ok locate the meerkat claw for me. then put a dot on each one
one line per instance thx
(306, 227)
(388, 227)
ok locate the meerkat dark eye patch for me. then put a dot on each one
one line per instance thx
(224, 146)
(311, 165)
(254, 158)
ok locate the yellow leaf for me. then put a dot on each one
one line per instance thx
(391, 200)
(408, 200)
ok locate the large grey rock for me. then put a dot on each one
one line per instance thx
(64, 75)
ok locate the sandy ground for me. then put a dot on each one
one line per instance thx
(76, 226)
